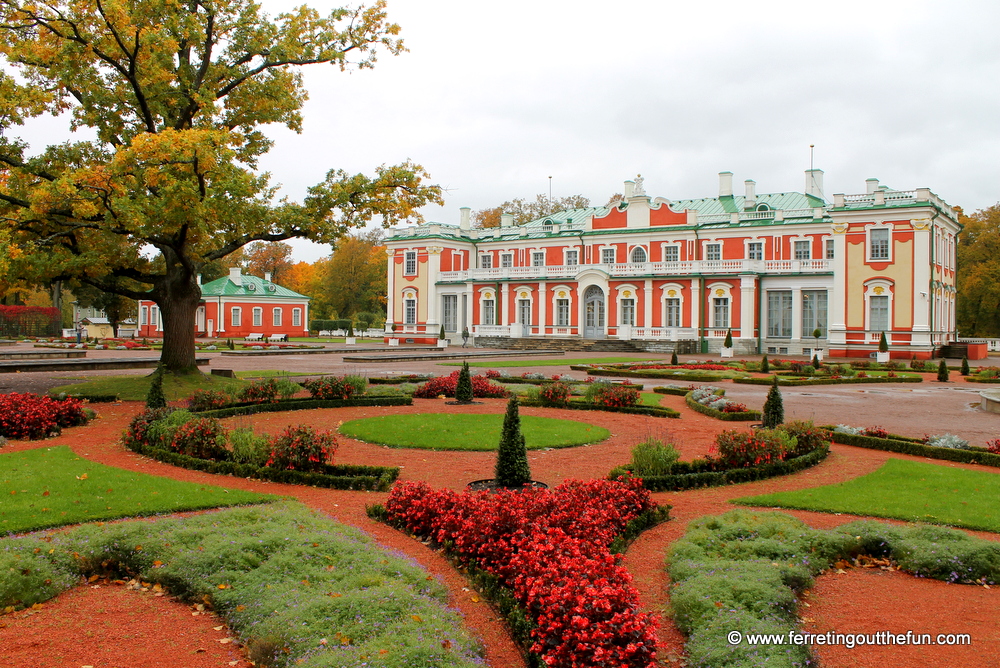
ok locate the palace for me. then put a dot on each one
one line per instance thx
(772, 269)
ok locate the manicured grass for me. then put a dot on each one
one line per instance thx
(905, 490)
(53, 486)
(649, 399)
(135, 388)
(273, 373)
(294, 587)
(439, 431)
(502, 364)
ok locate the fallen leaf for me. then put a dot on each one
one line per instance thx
(218, 628)
(45, 493)
(475, 599)
(225, 641)
(446, 644)
(416, 618)
(82, 477)
(200, 650)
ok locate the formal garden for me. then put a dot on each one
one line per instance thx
(499, 517)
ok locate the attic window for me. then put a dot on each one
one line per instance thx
(763, 207)
(271, 288)
(251, 287)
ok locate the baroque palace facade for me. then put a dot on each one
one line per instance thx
(770, 268)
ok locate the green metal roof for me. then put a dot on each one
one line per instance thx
(708, 206)
(252, 286)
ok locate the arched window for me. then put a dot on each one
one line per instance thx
(638, 255)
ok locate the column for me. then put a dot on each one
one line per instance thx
(695, 300)
(748, 289)
(797, 315)
(503, 302)
(647, 306)
(921, 297)
(543, 300)
(433, 300)
(837, 303)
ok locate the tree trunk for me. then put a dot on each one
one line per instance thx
(181, 297)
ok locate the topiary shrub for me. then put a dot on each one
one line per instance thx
(965, 366)
(463, 387)
(673, 357)
(883, 344)
(774, 409)
(728, 343)
(301, 448)
(512, 469)
(765, 366)
(155, 397)
(943, 375)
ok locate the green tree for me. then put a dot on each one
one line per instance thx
(354, 278)
(155, 397)
(773, 414)
(943, 374)
(463, 388)
(512, 469)
(883, 344)
(978, 277)
(765, 367)
(175, 94)
(965, 366)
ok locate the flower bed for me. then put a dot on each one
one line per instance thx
(916, 447)
(666, 374)
(551, 549)
(720, 408)
(293, 457)
(445, 385)
(827, 380)
(31, 417)
(399, 380)
(303, 403)
(654, 411)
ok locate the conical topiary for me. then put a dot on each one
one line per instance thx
(883, 344)
(463, 389)
(965, 366)
(774, 409)
(155, 397)
(673, 357)
(728, 343)
(350, 330)
(441, 334)
(943, 371)
(815, 361)
(764, 366)
(512, 456)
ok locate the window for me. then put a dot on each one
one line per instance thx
(755, 250)
(409, 311)
(154, 316)
(713, 251)
(296, 317)
(878, 313)
(410, 263)
(628, 312)
(638, 255)
(456, 261)
(779, 314)
(829, 249)
(878, 244)
(813, 312)
(720, 312)
(572, 257)
(489, 312)
(258, 316)
(143, 316)
(276, 317)
(236, 316)
(673, 312)
(801, 250)
(538, 259)
(449, 313)
(506, 260)
(607, 256)
(562, 313)
(486, 261)
(671, 253)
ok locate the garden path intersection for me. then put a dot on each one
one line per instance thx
(856, 602)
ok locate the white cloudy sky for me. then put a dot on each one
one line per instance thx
(494, 97)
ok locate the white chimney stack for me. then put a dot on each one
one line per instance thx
(872, 185)
(506, 220)
(629, 189)
(267, 276)
(814, 183)
(466, 220)
(750, 202)
(198, 279)
(725, 184)
(235, 275)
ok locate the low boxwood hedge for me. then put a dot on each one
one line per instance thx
(399, 380)
(655, 411)
(977, 379)
(663, 374)
(917, 448)
(675, 391)
(302, 404)
(719, 415)
(689, 475)
(91, 398)
(356, 477)
(826, 380)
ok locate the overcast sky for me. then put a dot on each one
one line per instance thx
(493, 98)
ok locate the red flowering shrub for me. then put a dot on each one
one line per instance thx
(861, 374)
(556, 394)
(481, 387)
(993, 445)
(877, 432)
(740, 449)
(301, 448)
(617, 396)
(30, 416)
(201, 437)
(551, 549)
(733, 407)
(260, 392)
(137, 432)
(329, 387)
(492, 373)
(206, 400)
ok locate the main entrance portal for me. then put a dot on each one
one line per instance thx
(593, 313)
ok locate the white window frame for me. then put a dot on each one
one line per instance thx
(632, 255)
(536, 256)
(276, 316)
(786, 296)
(571, 253)
(678, 291)
(676, 248)
(296, 317)
(608, 250)
(828, 248)
(236, 316)
(154, 317)
(871, 291)
(450, 324)
(801, 247)
(486, 261)
(712, 296)
(506, 260)
(824, 327)
(410, 263)
(632, 297)
(258, 316)
(749, 252)
(457, 260)
(568, 296)
(143, 316)
(870, 247)
(710, 245)
(410, 309)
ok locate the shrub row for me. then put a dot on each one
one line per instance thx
(655, 411)
(399, 380)
(89, 398)
(551, 549)
(825, 380)
(303, 403)
(623, 373)
(30, 416)
(675, 391)
(699, 473)
(917, 448)
(720, 415)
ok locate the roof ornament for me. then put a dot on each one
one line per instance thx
(251, 287)
(638, 190)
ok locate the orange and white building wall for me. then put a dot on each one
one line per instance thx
(770, 268)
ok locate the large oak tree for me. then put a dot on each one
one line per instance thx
(978, 273)
(175, 93)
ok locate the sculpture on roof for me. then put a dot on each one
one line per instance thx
(638, 190)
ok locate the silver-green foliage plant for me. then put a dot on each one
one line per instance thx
(948, 441)
(248, 447)
(653, 457)
(295, 587)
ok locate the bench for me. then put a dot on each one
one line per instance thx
(256, 336)
(276, 338)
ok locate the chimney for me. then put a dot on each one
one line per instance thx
(814, 183)
(198, 279)
(629, 189)
(871, 185)
(267, 276)
(750, 202)
(725, 184)
(506, 220)
(234, 275)
(466, 221)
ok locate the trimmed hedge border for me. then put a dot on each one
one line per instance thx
(675, 391)
(973, 379)
(655, 411)
(745, 416)
(827, 381)
(399, 380)
(91, 398)
(916, 448)
(303, 404)
(664, 374)
(352, 477)
(681, 481)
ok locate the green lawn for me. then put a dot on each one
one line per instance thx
(52, 486)
(438, 431)
(135, 388)
(649, 398)
(905, 490)
(502, 364)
